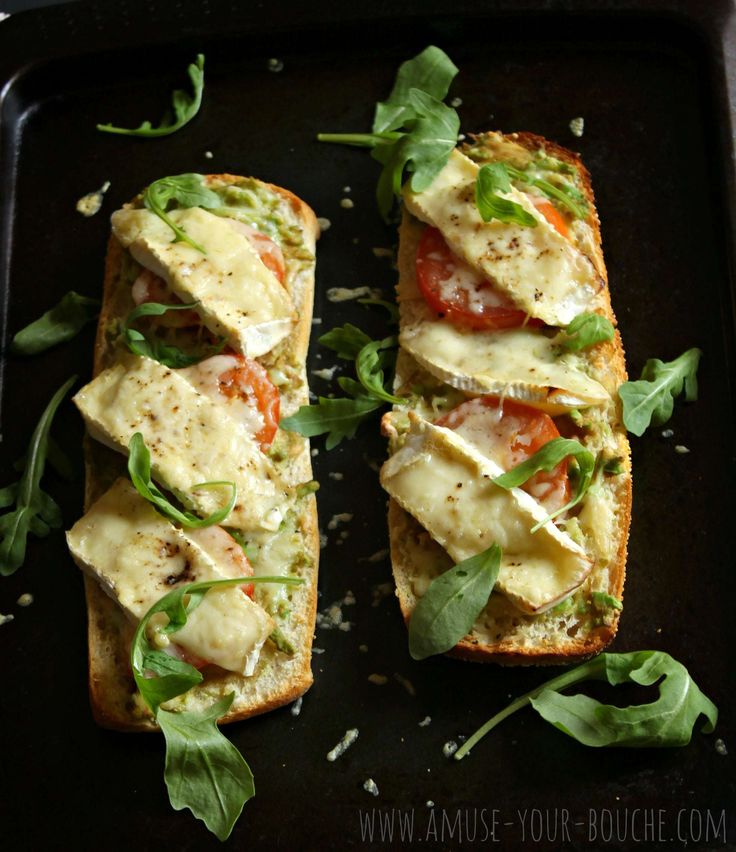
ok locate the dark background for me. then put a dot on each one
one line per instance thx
(649, 79)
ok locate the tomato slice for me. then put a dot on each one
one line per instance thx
(552, 215)
(249, 381)
(455, 290)
(509, 433)
(269, 252)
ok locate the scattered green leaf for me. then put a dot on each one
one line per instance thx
(493, 179)
(391, 308)
(187, 190)
(139, 469)
(567, 195)
(650, 400)
(184, 105)
(35, 511)
(337, 418)
(586, 330)
(152, 347)
(547, 458)
(666, 722)
(449, 607)
(346, 341)
(369, 367)
(63, 322)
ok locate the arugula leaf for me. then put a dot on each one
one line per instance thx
(666, 722)
(391, 308)
(430, 128)
(165, 353)
(449, 607)
(185, 107)
(586, 330)
(139, 469)
(337, 418)
(187, 190)
(63, 322)
(650, 400)
(204, 771)
(431, 71)
(566, 194)
(547, 458)
(347, 341)
(35, 511)
(369, 365)
(492, 179)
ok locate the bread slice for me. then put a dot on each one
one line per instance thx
(280, 677)
(581, 626)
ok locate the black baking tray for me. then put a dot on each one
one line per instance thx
(651, 82)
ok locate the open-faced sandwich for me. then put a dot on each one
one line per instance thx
(201, 348)
(511, 433)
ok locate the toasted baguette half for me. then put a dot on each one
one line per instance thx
(580, 627)
(280, 677)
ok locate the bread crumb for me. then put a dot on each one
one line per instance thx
(406, 683)
(339, 518)
(427, 720)
(324, 224)
(668, 433)
(208, 155)
(351, 735)
(347, 203)
(577, 126)
(91, 203)
(721, 747)
(275, 65)
(314, 451)
(378, 679)
(449, 748)
(370, 787)
(25, 599)
(346, 189)
(296, 707)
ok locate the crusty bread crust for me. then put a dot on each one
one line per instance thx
(279, 679)
(560, 641)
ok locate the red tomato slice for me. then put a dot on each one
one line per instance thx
(552, 215)
(456, 291)
(509, 433)
(250, 382)
(269, 252)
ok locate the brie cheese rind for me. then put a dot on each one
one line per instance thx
(191, 440)
(540, 270)
(446, 484)
(238, 296)
(137, 557)
(517, 363)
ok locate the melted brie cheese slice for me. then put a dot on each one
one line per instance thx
(519, 363)
(238, 296)
(540, 270)
(137, 556)
(447, 486)
(191, 439)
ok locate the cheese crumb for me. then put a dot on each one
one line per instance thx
(316, 320)
(430, 803)
(679, 448)
(4, 16)
(4, 619)
(378, 556)
(326, 373)
(314, 451)
(383, 252)
(456, 102)
(425, 722)
(577, 126)
(721, 747)
(296, 707)
(381, 591)
(25, 599)
(322, 541)
(370, 787)
(378, 679)
(91, 203)
(406, 683)
(336, 475)
(340, 518)
(208, 155)
(318, 650)
(275, 65)
(668, 433)
(363, 649)
(347, 189)
(344, 294)
(351, 735)
(324, 224)
(449, 748)
(347, 203)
